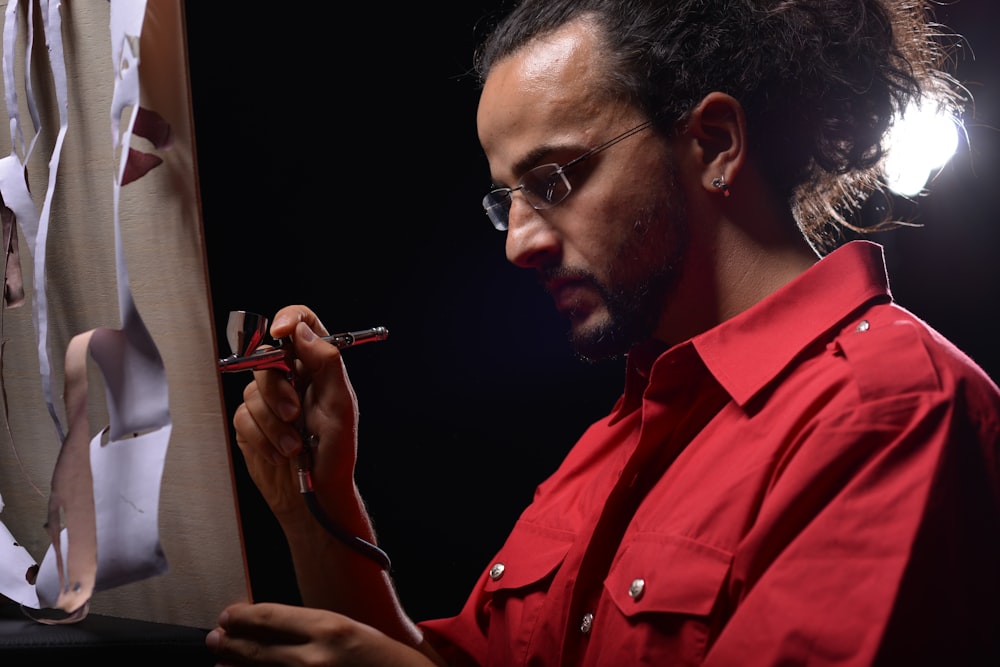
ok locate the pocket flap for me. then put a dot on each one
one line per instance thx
(530, 554)
(667, 573)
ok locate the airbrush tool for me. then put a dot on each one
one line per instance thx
(245, 333)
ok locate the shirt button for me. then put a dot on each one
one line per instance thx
(588, 620)
(863, 326)
(636, 588)
(496, 571)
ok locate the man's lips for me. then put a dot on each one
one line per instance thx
(569, 295)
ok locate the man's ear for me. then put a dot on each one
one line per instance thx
(717, 127)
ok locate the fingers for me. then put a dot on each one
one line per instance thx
(318, 359)
(261, 634)
(320, 378)
(288, 317)
(262, 429)
(259, 438)
(276, 634)
(268, 421)
(268, 621)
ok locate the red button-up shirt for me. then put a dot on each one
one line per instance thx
(813, 482)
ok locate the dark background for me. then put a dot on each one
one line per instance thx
(339, 167)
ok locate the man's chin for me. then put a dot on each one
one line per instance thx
(595, 339)
(591, 325)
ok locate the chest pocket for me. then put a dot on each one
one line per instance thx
(667, 574)
(517, 584)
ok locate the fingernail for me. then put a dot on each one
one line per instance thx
(289, 444)
(288, 410)
(303, 331)
(212, 640)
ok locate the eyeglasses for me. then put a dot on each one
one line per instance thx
(544, 186)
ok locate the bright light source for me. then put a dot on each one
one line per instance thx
(919, 142)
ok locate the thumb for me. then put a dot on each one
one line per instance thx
(315, 355)
(322, 366)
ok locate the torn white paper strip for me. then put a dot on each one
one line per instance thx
(17, 581)
(109, 537)
(104, 505)
(16, 570)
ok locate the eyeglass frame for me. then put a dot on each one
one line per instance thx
(491, 201)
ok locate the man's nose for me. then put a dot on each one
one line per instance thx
(531, 240)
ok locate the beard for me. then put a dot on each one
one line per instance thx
(635, 302)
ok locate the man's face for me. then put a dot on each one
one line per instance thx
(610, 253)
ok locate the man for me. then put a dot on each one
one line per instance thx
(798, 470)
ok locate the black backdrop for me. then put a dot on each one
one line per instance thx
(339, 167)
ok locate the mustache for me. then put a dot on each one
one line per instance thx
(558, 275)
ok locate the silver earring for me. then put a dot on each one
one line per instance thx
(720, 183)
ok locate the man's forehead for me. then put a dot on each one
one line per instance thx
(550, 81)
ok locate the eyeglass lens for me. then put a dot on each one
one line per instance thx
(543, 187)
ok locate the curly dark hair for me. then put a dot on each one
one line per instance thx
(820, 81)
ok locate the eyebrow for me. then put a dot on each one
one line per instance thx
(533, 158)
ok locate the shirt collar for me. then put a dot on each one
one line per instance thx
(746, 352)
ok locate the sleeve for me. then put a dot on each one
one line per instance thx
(879, 541)
(459, 638)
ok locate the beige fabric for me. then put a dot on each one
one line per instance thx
(162, 233)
